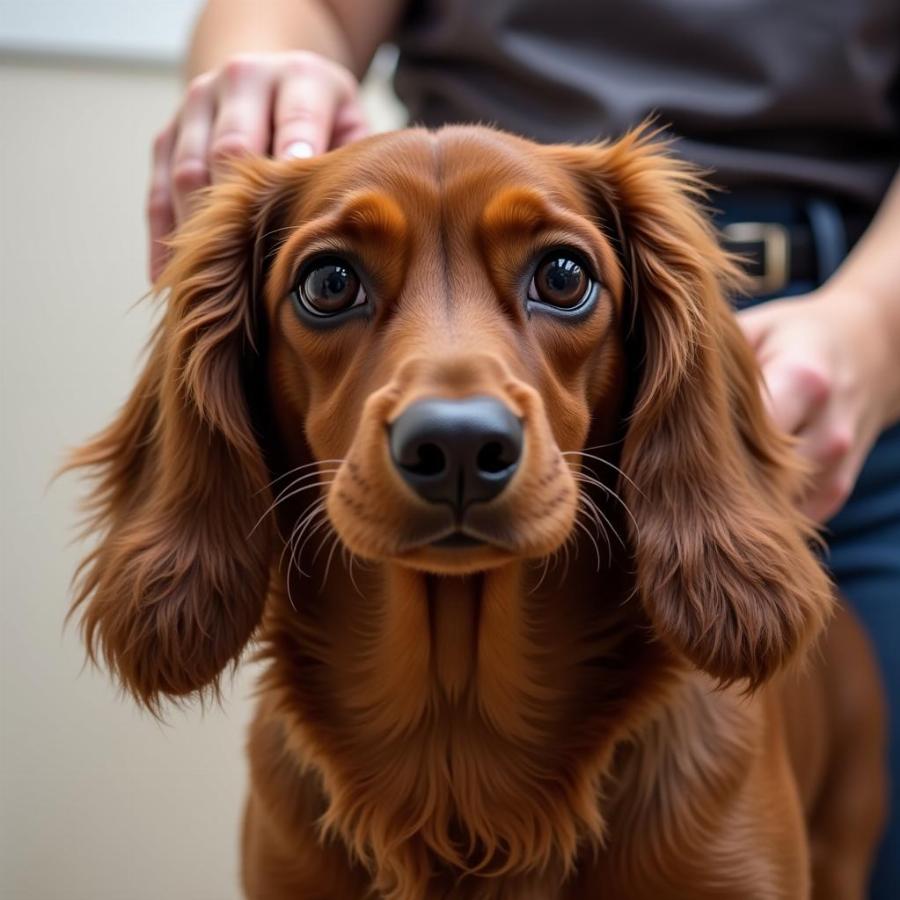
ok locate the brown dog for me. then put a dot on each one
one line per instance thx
(462, 428)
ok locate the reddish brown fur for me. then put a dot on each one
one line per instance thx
(530, 720)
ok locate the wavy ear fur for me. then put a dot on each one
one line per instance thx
(177, 582)
(724, 565)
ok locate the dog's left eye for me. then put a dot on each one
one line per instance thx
(328, 287)
(560, 280)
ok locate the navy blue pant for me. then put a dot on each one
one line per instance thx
(864, 538)
(864, 557)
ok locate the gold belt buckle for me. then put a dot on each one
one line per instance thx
(775, 240)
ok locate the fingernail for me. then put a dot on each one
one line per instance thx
(299, 150)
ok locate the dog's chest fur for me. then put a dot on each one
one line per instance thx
(468, 721)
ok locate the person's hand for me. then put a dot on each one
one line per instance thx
(294, 104)
(824, 361)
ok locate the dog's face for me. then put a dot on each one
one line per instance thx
(434, 324)
(441, 330)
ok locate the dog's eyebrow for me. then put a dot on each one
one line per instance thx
(516, 210)
(525, 213)
(368, 214)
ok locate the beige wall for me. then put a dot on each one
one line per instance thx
(97, 801)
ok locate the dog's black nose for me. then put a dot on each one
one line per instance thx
(457, 451)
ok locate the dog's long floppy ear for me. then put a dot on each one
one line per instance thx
(176, 584)
(724, 565)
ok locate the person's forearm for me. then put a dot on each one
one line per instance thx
(871, 274)
(228, 27)
(345, 31)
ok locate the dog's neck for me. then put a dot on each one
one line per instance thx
(474, 716)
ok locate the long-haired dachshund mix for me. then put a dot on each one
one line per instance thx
(461, 429)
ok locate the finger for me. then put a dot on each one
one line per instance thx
(160, 213)
(829, 490)
(244, 115)
(349, 124)
(795, 393)
(826, 442)
(755, 323)
(190, 169)
(829, 445)
(305, 109)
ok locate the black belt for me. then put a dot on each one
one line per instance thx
(774, 253)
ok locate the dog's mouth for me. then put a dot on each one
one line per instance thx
(485, 537)
(460, 533)
(457, 553)
(458, 540)
(457, 548)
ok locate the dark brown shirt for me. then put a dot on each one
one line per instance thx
(769, 92)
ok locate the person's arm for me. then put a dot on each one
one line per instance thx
(266, 76)
(872, 272)
(831, 360)
(345, 31)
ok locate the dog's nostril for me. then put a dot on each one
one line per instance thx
(493, 457)
(431, 461)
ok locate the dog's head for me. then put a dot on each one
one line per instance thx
(437, 324)
(443, 321)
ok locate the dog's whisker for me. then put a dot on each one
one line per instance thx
(544, 570)
(293, 490)
(290, 490)
(297, 533)
(592, 539)
(591, 518)
(307, 524)
(590, 512)
(299, 480)
(592, 480)
(309, 514)
(318, 462)
(564, 550)
(588, 476)
(591, 509)
(260, 520)
(294, 556)
(590, 505)
(330, 470)
(285, 545)
(334, 546)
(575, 542)
(287, 496)
(597, 513)
(322, 544)
(605, 462)
(327, 471)
(325, 521)
(353, 559)
(563, 554)
(617, 443)
(291, 565)
(605, 518)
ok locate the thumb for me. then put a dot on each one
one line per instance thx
(756, 324)
(787, 406)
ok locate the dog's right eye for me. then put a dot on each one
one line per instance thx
(328, 287)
